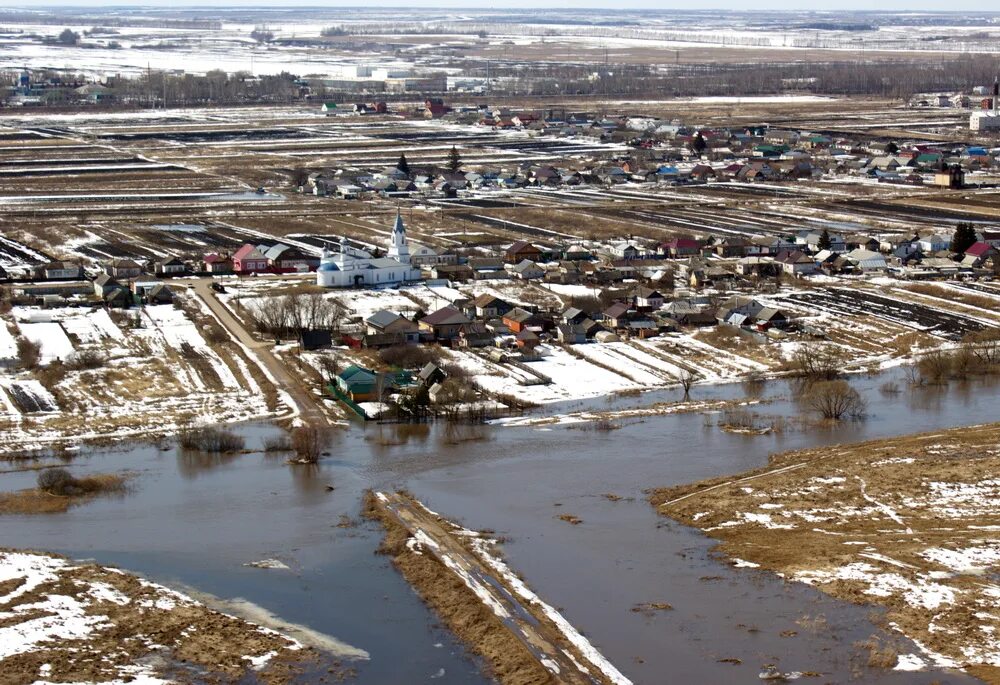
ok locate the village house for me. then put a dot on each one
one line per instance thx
(934, 243)
(680, 248)
(490, 306)
(522, 250)
(171, 266)
(979, 255)
(474, 334)
(214, 263)
(518, 320)
(55, 271)
(796, 263)
(527, 270)
(867, 261)
(360, 384)
(390, 328)
(283, 258)
(123, 269)
(443, 324)
(104, 284)
(647, 299)
(249, 259)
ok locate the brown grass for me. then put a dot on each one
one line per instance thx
(462, 611)
(897, 474)
(36, 501)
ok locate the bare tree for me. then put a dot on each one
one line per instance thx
(823, 362)
(308, 442)
(687, 379)
(835, 400)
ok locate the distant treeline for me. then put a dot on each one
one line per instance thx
(110, 20)
(895, 79)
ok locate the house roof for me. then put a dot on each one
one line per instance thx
(248, 251)
(382, 318)
(487, 300)
(519, 315)
(616, 310)
(445, 316)
(355, 375)
(520, 245)
(979, 249)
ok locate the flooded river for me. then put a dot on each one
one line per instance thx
(194, 521)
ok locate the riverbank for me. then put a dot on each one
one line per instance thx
(67, 622)
(907, 524)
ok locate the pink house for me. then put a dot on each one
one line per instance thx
(248, 259)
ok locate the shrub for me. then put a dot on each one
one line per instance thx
(835, 400)
(408, 356)
(821, 363)
(308, 443)
(935, 367)
(56, 481)
(210, 439)
(83, 360)
(890, 388)
(29, 353)
(279, 443)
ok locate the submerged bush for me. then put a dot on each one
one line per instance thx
(211, 439)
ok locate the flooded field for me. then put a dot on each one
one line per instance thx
(194, 521)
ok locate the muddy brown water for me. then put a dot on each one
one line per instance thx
(193, 521)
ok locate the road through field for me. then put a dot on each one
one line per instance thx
(305, 405)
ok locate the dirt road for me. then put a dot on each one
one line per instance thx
(565, 654)
(305, 404)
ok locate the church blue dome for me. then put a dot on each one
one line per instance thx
(328, 266)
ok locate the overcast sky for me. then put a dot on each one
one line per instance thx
(883, 5)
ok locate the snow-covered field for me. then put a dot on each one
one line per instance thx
(146, 379)
(73, 615)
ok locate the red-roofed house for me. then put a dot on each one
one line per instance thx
(248, 259)
(977, 255)
(217, 264)
(682, 247)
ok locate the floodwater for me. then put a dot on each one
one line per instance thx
(194, 520)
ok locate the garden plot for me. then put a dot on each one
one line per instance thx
(8, 345)
(55, 344)
(630, 362)
(572, 378)
(170, 327)
(683, 352)
(150, 377)
(91, 327)
(843, 301)
(363, 303)
(516, 292)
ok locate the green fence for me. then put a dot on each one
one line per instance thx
(343, 397)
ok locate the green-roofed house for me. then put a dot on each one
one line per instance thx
(928, 160)
(330, 107)
(358, 383)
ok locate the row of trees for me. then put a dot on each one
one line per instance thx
(284, 316)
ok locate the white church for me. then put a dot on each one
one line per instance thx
(351, 267)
